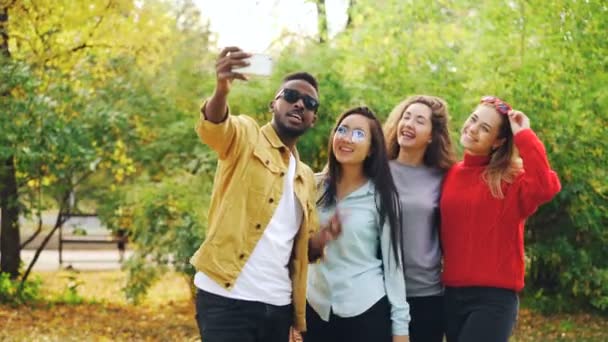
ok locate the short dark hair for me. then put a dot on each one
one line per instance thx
(304, 76)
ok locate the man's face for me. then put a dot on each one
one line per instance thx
(294, 110)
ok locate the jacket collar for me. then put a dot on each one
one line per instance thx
(273, 138)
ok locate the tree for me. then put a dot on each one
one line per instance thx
(9, 221)
(322, 21)
(65, 75)
(546, 59)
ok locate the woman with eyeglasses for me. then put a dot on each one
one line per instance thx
(420, 149)
(357, 291)
(485, 201)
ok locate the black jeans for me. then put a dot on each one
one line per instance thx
(480, 314)
(222, 319)
(374, 325)
(427, 322)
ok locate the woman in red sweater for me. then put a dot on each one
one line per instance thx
(485, 201)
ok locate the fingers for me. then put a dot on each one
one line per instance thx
(326, 236)
(337, 228)
(228, 50)
(229, 58)
(232, 75)
(335, 225)
(227, 63)
(515, 117)
(518, 121)
(239, 55)
(516, 114)
(330, 231)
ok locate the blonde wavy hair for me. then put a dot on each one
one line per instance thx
(505, 164)
(440, 152)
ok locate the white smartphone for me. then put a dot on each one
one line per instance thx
(259, 64)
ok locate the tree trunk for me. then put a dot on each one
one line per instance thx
(350, 13)
(9, 198)
(4, 32)
(322, 21)
(61, 218)
(60, 221)
(10, 245)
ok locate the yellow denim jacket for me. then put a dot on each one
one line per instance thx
(246, 191)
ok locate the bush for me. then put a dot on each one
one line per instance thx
(70, 294)
(166, 223)
(11, 294)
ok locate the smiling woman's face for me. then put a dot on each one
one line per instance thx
(479, 134)
(352, 140)
(414, 130)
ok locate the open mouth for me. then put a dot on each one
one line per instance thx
(408, 134)
(295, 116)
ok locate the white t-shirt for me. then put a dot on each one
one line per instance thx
(265, 276)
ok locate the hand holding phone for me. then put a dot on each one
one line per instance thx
(259, 64)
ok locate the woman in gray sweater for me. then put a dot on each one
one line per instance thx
(420, 150)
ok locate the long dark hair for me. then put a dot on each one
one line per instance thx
(377, 169)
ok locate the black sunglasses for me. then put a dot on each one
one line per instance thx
(292, 96)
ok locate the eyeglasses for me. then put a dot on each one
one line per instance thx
(357, 135)
(292, 96)
(501, 106)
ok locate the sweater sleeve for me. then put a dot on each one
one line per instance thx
(538, 183)
(394, 283)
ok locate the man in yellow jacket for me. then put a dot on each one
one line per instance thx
(262, 222)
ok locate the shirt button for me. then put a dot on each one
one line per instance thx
(227, 285)
(282, 174)
(270, 200)
(242, 256)
(266, 162)
(258, 226)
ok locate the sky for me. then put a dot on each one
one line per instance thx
(254, 24)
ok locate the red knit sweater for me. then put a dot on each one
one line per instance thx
(483, 237)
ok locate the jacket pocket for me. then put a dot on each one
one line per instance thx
(264, 171)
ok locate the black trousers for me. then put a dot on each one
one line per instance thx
(222, 319)
(427, 322)
(374, 325)
(480, 314)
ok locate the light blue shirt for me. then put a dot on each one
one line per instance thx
(351, 278)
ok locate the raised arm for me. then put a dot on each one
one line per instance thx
(538, 183)
(222, 132)
(217, 106)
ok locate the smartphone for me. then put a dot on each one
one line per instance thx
(259, 64)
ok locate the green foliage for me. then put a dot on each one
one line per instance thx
(548, 60)
(142, 275)
(125, 116)
(168, 225)
(11, 294)
(85, 89)
(70, 294)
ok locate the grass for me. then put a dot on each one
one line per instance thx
(95, 309)
(167, 313)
